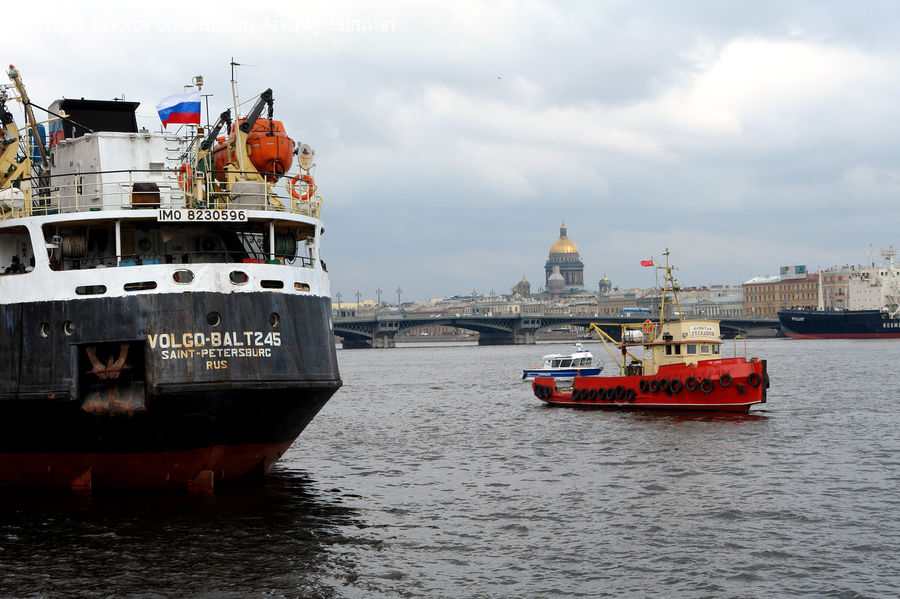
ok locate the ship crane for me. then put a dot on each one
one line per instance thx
(257, 151)
(11, 168)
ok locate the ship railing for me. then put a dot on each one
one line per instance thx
(180, 258)
(136, 189)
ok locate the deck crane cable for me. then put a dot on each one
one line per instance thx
(59, 116)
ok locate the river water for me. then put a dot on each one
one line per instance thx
(434, 472)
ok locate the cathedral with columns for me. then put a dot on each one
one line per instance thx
(564, 270)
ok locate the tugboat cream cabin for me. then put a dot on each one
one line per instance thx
(672, 364)
(166, 319)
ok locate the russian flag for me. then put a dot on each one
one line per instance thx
(57, 133)
(182, 109)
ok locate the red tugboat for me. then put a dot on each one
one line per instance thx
(669, 365)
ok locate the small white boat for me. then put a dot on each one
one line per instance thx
(578, 363)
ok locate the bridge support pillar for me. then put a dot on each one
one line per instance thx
(383, 341)
(351, 343)
(505, 338)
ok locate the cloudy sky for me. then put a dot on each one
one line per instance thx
(452, 139)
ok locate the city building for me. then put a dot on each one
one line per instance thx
(564, 261)
(836, 287)
(793, 287)
(522, 288)
(716, 301)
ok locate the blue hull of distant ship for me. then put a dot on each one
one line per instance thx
(834, 324)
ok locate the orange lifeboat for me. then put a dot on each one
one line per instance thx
(271, 150)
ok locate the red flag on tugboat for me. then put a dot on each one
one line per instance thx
(646, 262)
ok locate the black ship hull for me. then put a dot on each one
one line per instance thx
(159, 391)
(833, 324)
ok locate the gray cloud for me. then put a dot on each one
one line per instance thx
(452, 140)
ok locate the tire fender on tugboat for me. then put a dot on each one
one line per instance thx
(691, 383)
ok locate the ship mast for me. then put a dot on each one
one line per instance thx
(240, 143)
(668, 281)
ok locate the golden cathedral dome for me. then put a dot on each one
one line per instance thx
(563, 245)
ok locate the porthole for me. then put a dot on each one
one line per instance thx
(274, 320)
(301, 286)
(183, 276)
(69, 327)
(90, 290)
(213, 319)
(140, 286)
(238, 277)
(44, 329)
(271, 284)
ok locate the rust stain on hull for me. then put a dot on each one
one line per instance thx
(115, 401)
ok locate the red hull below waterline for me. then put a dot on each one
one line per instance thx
(196, 470)
(726, 385)
(843, 336)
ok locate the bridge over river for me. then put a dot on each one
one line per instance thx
(521, 329)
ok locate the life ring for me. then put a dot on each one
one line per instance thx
(754, 379)
(648, 326)
(676, 386)
(691, 383)
(644, 385)
(707, 386)
(184, 176)
(725, 380)
(630, 395)
(311, 191)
